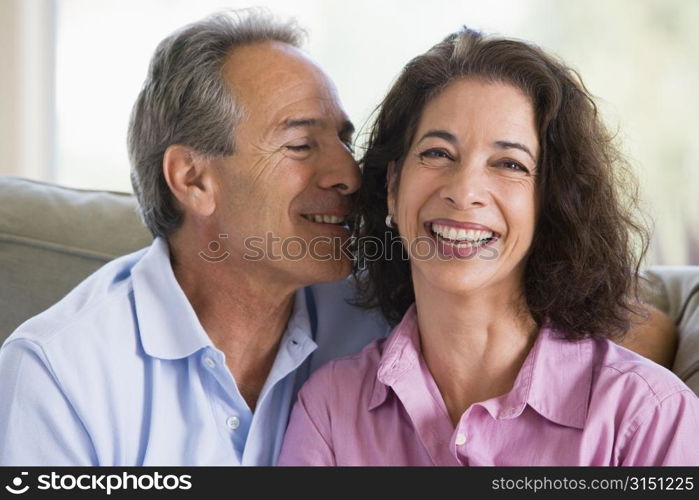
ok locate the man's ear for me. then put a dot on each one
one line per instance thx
(391, 184)
(190, 178)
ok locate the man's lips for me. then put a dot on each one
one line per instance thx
(330, 217)
(329, 220)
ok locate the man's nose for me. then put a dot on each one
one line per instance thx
(467, 187)
(340, 171)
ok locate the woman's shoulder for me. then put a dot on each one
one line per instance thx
(353, 374)
(654, 414)
(618, 365)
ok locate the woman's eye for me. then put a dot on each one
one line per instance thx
(435, 154)
(513, 165)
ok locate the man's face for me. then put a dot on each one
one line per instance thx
(283, 196)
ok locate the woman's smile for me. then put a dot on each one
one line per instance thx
(468, 185)
(461, 240)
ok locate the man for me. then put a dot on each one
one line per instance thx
(191, 351)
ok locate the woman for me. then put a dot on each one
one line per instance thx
(489, 161)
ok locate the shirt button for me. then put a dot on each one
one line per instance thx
(209, 362)
(233, 423)
(460, 439)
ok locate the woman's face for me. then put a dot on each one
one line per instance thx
(466, 197)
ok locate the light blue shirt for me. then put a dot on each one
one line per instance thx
(121, 372)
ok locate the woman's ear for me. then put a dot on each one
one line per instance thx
(190, 178)
(391, 184)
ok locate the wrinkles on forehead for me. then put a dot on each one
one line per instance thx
(269, 75)
(281, 90)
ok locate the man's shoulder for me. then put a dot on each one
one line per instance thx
(98, 306)
(335, 306)
(85, 349)
(342, 327)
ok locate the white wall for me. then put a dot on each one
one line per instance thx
(27, 116)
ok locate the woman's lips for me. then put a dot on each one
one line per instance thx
(462, 240)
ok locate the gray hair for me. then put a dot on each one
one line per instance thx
(185, 100)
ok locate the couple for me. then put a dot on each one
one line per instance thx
(165, 358)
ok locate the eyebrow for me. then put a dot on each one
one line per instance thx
(514, 145)
(300, 123)
(347, 128)
(449, 137)
(440, 134)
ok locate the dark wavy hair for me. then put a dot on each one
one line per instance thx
(581, 271)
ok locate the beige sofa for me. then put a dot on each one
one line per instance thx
(52, 237)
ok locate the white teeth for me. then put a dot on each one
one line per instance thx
(471, 236)
(325, 219)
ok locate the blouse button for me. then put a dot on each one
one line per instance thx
(460, 439)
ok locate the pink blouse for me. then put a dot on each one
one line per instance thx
(589, 402)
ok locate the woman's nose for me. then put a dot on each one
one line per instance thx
(466, 188)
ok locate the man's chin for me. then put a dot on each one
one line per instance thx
(327, 271)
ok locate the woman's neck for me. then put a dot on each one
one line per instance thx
(475, 343)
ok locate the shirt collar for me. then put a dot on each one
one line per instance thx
(295, 346)
(169, 326)
(167, 323)
(298, 336)
(555, 379)
(401, 353)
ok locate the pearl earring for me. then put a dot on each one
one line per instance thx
(389, 220)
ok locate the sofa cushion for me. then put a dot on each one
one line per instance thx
(675, 290)
(52, 237)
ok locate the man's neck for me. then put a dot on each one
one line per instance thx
(245, 315)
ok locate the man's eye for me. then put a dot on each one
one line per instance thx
(349, 145)
(299, 147)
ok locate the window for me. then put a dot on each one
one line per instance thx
(639, 58)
